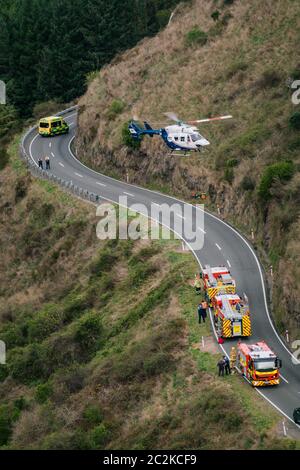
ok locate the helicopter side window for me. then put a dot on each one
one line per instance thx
(182, 139)
(176, 138)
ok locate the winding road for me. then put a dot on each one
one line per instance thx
(223, 245)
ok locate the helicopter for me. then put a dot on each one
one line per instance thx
(182, 136)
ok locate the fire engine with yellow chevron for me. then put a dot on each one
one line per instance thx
(217, 280)
(258, 363)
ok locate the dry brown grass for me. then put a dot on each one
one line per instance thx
(241, 71)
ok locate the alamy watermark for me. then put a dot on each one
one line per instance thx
(296, 353)
(2, 92)
(295, 85)
(139, 221)
(2, 352)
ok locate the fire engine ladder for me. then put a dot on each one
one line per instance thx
(211, 278)
(228, 310)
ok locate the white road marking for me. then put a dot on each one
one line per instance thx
(61, 164)
(78, 174)
(156, 204)
(201, 230)
(50, 143)
(30, 149)
(52, 154)
(283, 378)
(228, 262)
(100, 184)
(218, 246)
(128, 194)
(179, 215)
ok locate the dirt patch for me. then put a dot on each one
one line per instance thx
(207, 344)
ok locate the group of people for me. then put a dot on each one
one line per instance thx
(47, 163)
(224, 366)
(224, 363)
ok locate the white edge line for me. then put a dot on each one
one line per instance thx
(283, 378)
(199, 262)
(209, 215)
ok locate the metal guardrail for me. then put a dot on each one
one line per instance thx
(67, 185)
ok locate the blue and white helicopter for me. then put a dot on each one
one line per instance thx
(181, 136)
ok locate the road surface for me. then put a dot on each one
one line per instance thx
(223, 245)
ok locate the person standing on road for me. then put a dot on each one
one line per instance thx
(47, 161)
(227, 365)
(40, 162)
(221, 366)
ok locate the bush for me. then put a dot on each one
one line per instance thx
(127, 138)
(247, 183)
(162, 17)
(4, 157)
(92, 414)
(43, 392)
(99, 436)
(229, 174)
(282, 170)
(196, 37)
(8, 415)
(44, 323)
(88, 334)
(27, 364)
(215, 15)
(116, 107)
(232, 162)
(20, 188)
(294, 121)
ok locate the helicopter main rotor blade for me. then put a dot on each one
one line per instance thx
(217, 118)
(172, 116)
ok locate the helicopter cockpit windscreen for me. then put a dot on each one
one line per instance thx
(196, 136)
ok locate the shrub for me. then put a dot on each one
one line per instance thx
(8, 415)
(44, 323)
(229, 174)
(116, 107)
(269, 79)
(196, 37)
(92, 414)
(88, 334)
(104, 263)
(20, 188)
(282, 170)
(43, 392)
(127, 138)
(215, 15)
(247, 183)
(232, 162)
(27, 364)
(294, 121)
(162, 17)
(4, 157)
(99, 436)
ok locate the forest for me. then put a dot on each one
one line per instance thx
(50, 48)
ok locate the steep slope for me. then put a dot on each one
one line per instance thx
(102, 343)
(215, 57)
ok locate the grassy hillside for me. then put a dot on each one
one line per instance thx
(102, 342)
(216, 57)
